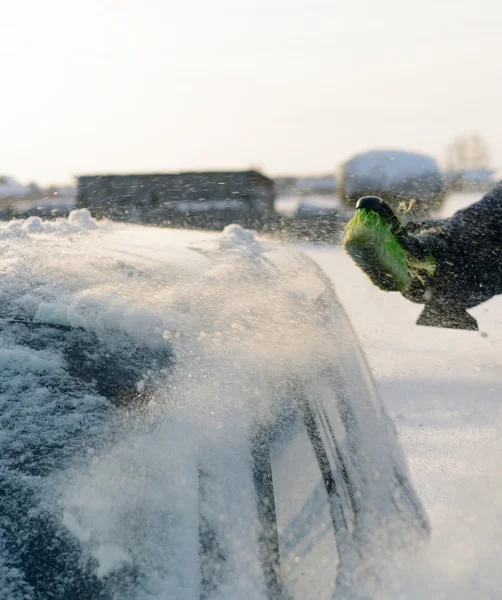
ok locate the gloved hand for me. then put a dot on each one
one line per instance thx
(449, 265)
(450, 290)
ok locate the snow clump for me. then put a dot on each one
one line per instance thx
(78, 222)
(82, 219)
(235, 237)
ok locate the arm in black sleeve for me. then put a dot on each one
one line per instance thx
(468, 252)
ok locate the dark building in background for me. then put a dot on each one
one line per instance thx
(209, 199)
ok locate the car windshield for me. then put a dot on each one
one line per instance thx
(250, 300)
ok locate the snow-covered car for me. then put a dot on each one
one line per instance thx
(395, 176)
(187, 415)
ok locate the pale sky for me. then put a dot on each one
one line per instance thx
(291, 87)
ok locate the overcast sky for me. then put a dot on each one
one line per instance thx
(288, 86)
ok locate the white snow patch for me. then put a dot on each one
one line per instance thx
(16, 226)
(33, 225)
(82, 219)
(74, 527)
(78, 222)
(26, 360)
(37, 225)
(110, 558)
(235, 237)
(54, 312)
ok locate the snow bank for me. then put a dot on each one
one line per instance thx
(78, 222)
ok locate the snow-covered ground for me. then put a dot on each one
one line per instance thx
(444, 390)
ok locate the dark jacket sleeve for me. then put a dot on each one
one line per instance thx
(468, 252)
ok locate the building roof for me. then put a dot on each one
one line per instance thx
(211, 174)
